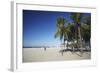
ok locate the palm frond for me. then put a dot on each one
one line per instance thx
(57, 34)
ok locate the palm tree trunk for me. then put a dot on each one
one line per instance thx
(80, 39)
(64, 44)
(67, 44)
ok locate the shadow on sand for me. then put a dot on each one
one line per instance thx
(74, 51)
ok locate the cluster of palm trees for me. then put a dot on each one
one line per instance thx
(78, 31)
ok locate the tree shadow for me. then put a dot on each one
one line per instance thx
(74, 51)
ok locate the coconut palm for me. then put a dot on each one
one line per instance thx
(85, 30)
(71, 34)
(61, 29)
(77, 18)
(67, 34)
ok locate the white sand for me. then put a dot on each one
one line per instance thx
(39, 54)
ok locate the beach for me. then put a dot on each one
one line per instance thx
(51, 54)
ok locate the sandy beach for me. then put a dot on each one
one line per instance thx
(51, 54)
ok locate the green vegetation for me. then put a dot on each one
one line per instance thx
(78, 32)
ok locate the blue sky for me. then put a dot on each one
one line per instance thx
(39, 27)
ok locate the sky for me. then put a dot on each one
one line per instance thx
(39, 27)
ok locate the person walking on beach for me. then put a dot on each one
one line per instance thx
(45, 48)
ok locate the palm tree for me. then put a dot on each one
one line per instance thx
(85, 30)
(71, 34)
(67, 34)
(77, 17)
(61, 29)
(87, 22)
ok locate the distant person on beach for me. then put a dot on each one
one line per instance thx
(45, 48)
